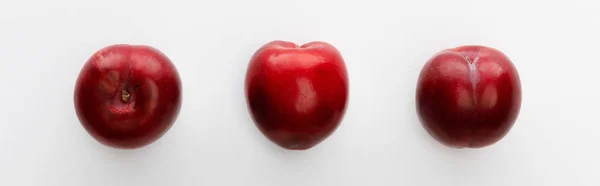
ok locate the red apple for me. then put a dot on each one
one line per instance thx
(128, 96)
(468, 97)
(297, 94)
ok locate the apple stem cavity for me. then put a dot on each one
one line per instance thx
(473, 76)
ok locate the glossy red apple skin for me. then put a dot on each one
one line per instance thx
(469, 96)
(297, 95)
(128, 96)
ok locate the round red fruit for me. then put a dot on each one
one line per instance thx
(297, 94)
(468, 97)
(128, 96)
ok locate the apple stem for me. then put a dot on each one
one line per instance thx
(469, 60)
(125, 96)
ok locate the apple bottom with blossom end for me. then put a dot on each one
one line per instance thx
(127, 96)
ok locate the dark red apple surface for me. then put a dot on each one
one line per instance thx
(468, 97)
(128, 96)
(297, 95)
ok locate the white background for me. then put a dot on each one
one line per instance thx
(554, 44)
